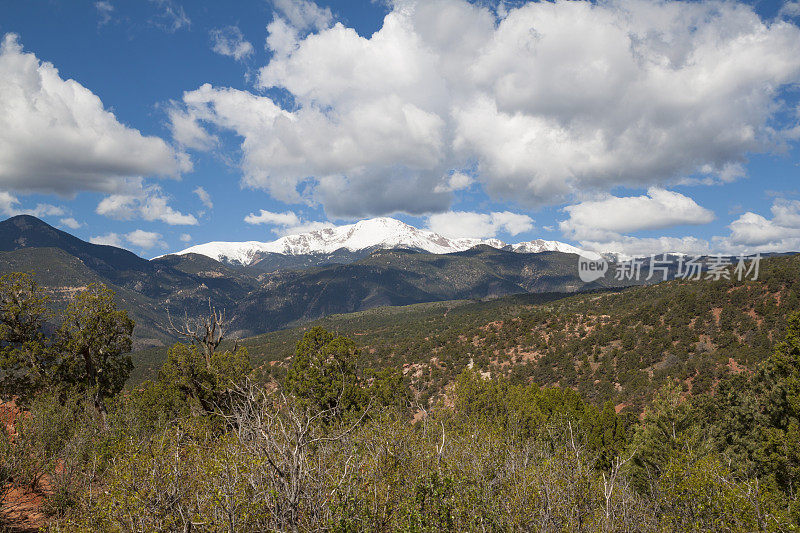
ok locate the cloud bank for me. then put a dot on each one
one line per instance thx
(749, 233)
(545, 101)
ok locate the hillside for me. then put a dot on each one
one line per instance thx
(64, 264)
(259, 301)
(403, 277)
(618, 345)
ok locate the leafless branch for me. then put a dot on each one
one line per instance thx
(206, 332)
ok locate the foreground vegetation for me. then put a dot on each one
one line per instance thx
(210, 444)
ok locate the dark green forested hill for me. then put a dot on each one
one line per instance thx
(619, 345)
(258, 301)
(403, 277)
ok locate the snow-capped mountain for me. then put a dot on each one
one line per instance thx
(540, 245)
(370, 234)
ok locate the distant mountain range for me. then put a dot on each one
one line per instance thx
(374, 263)
(348, 243)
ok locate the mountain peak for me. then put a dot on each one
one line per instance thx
(364, 235)
(541, 245)
(27, 231)
(26, 221)
(382, 221)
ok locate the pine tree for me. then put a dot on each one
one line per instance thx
(95, 338)
(28, 363)
(324, 373)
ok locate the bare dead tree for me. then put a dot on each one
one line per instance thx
(610, 482)
(272, 426)
(205, 332)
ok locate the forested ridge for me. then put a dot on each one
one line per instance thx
(259, 300)
(614, 345)
(353, 431)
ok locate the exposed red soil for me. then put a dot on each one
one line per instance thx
(21, 506)
(23, 509)
(735, 367)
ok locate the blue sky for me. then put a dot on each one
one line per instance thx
(630, 126)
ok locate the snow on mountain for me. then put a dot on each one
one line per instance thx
(382, 232)
(539, 245)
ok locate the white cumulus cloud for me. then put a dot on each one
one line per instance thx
(791, 8)
(148, 203)
(187, 132)
(456, 224)
(274, 219)
(751, 229)
(288, 223)
(56, 136)
(786, 212)
(145, 239)
(753, 232)
(70, 223)
(545, 100)
(10, 206)
(109, 239)
(627, 245)
(612, 216)
(456, 181)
